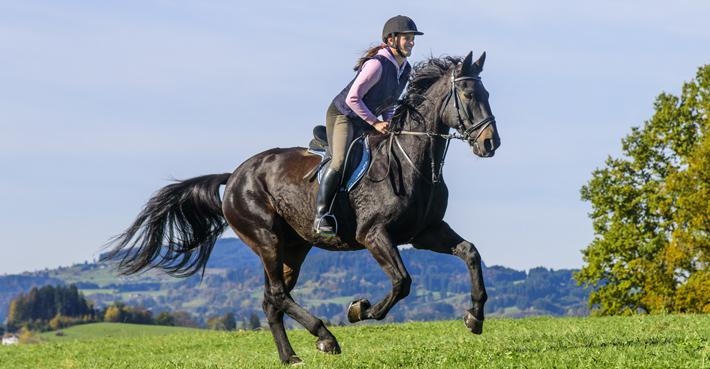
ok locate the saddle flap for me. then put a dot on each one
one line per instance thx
(356, 166)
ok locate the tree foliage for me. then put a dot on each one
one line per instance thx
(226, 322)
(41, 305)
(651, 212)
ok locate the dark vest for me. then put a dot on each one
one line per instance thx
(382, 95)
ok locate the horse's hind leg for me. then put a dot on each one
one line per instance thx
(275, 317)
(441, 238)
(291, 269)
(278, 296)
(275, 255)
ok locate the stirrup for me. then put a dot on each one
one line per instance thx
(319, 229)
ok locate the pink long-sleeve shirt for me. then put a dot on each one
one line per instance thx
(369, 75)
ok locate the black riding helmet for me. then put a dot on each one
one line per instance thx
(399, 24)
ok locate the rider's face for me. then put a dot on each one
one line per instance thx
(406, 44)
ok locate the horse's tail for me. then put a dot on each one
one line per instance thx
(176, 230)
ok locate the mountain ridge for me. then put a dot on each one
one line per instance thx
(233, 282)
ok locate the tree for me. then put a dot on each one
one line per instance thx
(254, 322)
(651, 212)
(120, 313)
(57, 323)
(26, 336)
(215, 323)
(230, 323)
(226, 322)
(689, 250)
(184, 319)
(41, 305)
(114, 314)
(165, 318)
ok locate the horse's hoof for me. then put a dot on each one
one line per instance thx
(357, 309)
(328, 346)
(475, 325)
(294, 360)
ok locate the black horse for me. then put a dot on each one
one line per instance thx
(269, 203)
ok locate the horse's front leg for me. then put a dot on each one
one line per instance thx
(441, 238)
(387, 255)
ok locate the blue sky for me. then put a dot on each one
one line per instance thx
(102, 103)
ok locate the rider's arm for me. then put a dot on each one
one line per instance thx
(368, 77)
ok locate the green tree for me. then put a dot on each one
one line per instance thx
(651, 212)
(165, 318)
(254, 322)
(229, 321)
(184, 319)
(41, 305)
(114, 314)
(689, 250)
(215, 323)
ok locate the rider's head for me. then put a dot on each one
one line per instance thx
(398, 33)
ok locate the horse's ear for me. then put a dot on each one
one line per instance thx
(466, 67)
(478, 65)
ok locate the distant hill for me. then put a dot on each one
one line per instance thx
(233, 282)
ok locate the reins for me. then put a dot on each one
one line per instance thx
(435, 175)
(466, 134)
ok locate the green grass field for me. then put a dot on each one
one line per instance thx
(673, 341)
(110, 330)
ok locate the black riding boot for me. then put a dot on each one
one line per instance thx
(325, 223)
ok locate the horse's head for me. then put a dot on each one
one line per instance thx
(466, 107)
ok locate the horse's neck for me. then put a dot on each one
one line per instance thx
(421, 148)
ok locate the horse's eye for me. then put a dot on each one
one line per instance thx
(468, 94)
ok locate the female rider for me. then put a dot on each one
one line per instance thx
(381, 76)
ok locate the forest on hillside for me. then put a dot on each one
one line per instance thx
(233, 284)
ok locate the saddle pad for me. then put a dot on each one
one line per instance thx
(356, 174)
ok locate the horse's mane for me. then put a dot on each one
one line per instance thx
(424, 74)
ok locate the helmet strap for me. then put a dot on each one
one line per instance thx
(398, 48)
(396, 37)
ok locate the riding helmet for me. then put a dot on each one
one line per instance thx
(399, 24)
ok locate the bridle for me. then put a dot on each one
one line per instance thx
(474, 127)
(465, 133)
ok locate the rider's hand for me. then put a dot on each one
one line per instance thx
(382, 127)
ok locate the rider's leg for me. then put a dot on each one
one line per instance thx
(330, 116)
(340, 134)
(324, 222)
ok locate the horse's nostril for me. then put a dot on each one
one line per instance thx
(488, 144)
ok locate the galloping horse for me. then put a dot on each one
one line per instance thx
(269, 203)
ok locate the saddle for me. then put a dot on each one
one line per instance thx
(357, 158)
